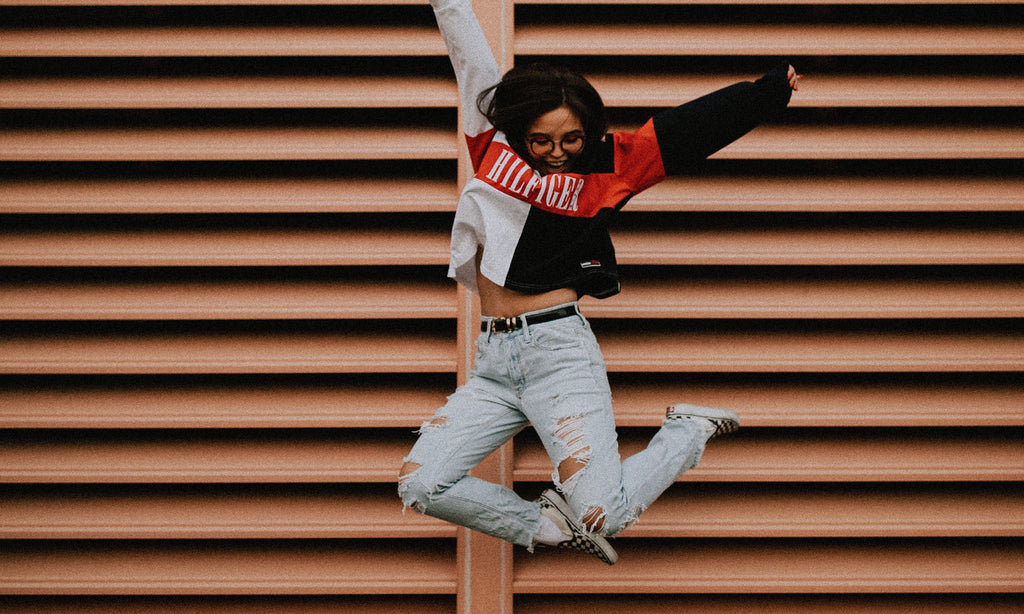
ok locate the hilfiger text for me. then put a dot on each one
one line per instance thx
(512, 175)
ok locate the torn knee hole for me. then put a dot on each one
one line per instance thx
(594, 519)
(405, 474)
(409, 469)
(434, 423)
(568, 468)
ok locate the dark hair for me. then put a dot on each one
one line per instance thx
(525, 93)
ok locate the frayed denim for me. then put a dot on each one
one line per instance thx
(551, 376)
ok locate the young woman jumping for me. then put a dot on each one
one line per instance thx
(530, 237)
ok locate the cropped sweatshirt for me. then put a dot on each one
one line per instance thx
(537, 233)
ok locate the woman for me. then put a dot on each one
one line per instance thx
(530, 237)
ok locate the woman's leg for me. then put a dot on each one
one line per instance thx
(568, 401)
(477, 419)
(674, 449)
(569, 404)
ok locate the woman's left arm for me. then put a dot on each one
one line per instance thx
(695, 130)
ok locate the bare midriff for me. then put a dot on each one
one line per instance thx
(499, 302)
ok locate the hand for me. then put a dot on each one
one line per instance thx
(793, 78)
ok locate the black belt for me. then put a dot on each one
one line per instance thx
(507, 325)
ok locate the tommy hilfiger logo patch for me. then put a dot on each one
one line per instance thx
(590, 264)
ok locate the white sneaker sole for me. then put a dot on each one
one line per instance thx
(581, 539)
(725, 420)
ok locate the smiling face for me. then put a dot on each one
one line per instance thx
(554, 141)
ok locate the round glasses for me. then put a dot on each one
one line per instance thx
(542, 145)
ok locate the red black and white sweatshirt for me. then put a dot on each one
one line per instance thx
(543, 232)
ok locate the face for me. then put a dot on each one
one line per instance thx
(554, 141)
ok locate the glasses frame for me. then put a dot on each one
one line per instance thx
(532, 142)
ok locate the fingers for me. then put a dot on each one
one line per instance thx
(794, 78)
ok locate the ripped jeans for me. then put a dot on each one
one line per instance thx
(550, 375)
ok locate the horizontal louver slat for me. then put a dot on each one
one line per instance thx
(518, 2)
(768, 143)
(821, 192)
(714, 510)
(675, 293)
(875, 400)
(360, 351)
(826, 456)
(815, 351)
(858, 400)
(379, 402)
(226, 195)
(782, 246)
(818, 298)
(776, 246)
(822, 3)
(797, 193)
(944, 603)
(758, 566)
(821, 90)
(236, 604)
(255, 195)
(208, 41)
(272, 300)
(767, 40)
(228, 93)
(835, 511)
(208, 457)
(218, 458)
(345, 247)
(148, 352)
(161, 144)
(414, 92)
(229, 513)
(277, 567)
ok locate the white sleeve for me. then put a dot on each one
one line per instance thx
(471, 57)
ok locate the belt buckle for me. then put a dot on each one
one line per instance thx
(505, 325)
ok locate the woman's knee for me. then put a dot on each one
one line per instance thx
(607, 516)
(419, 485)
(411, 490)
(621, 519)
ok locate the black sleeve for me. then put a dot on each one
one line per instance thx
(695, 130)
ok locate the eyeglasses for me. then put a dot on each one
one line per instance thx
(541, 145)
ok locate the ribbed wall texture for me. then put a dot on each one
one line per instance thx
(223, 238)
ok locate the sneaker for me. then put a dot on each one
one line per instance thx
(554, 507)
(724, 421)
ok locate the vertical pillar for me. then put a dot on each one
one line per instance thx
(484, 563)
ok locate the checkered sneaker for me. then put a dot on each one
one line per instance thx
(725, 421)
(554, 507)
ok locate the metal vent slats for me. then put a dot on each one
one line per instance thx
(841, 456)
(858, 566)
(225, 309)
(214, 456)
(226, 195)
(211, 41)
(832, 277)
(800, 39)
(175, 402)
(186, 567)
(214, 511)
(223, 312)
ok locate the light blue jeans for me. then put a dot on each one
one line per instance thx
(551, 375)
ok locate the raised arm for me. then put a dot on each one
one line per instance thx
(697, 129)
(471, 57)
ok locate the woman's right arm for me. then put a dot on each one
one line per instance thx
(471, 57)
